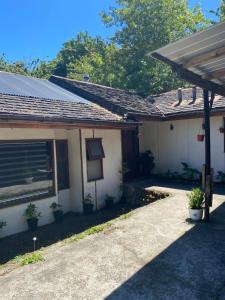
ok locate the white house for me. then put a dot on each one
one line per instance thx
(170, 123)
(54, 147)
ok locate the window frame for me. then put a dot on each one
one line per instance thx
(27, 199)
(67, 163)
(99, 158)
(96, 157)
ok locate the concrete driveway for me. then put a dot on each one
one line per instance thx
(154, 254)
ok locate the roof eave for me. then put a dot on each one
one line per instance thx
(63, 122)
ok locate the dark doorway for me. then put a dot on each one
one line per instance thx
(130, 153)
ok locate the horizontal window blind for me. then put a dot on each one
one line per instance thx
(25, 169)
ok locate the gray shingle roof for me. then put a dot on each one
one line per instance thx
(116, 100)
(168, 103)
(23, 107)
(121, 101)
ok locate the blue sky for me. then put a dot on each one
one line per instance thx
(37, 28)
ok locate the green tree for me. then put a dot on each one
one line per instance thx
(219, 12)
(143, 26)
(19, 67)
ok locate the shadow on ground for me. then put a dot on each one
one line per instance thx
(49, 234)
(193, 267)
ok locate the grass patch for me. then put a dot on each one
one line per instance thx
(37, 256)
(89, 231)
(95, 229)
(28, 258)
(126, 216)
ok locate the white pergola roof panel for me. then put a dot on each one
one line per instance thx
(199, 58)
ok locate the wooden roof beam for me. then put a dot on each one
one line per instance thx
(205, 57)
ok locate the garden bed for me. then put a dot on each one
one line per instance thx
(22, 243)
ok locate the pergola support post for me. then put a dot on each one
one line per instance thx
(208, 186)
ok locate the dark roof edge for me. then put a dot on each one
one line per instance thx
(65, 120)
(63, 82)
(178, 115)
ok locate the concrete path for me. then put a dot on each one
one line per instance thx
(154, 254)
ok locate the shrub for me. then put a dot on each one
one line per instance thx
(220, 176)
(190, 173)
(196, 199)
(146, 163)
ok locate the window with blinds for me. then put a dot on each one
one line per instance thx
(26, 170)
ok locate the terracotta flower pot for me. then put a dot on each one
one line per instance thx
(200, 137)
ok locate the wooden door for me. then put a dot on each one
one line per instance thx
(130, 153)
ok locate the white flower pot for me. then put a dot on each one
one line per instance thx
(196, 214)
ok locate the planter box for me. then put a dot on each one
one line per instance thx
(195, 214)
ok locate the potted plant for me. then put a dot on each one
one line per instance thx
(32, 215)
(57, 211)
(88, 205)
(109, 201)
(146, 163)
(196, 199)
(200, 137)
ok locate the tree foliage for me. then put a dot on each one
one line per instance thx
(219, 12)
(141, 26)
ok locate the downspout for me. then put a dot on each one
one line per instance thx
(82, 168)
(96, 194)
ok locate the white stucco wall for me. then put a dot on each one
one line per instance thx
(14, 215)
(71, 199)
(171, 147)
(110, 184)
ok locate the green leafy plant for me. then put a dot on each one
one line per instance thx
(2, 224)
(220, 176)
(190, 173)
(55, 206)
(109, 201)
(88, 199)
(196, 199)
(146, 163)
(171, 175)
(31, 212)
